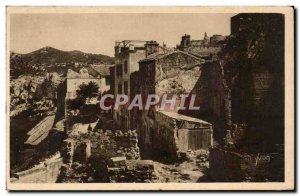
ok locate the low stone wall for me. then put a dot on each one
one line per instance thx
(45, 173)
(122, 170)
(115, 143)
(99, 142)
(230, 166)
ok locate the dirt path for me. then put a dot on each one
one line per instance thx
(187, 171)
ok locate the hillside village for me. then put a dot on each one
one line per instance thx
(62, 135)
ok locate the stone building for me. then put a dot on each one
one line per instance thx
(74, 80)
(165, 133)
(204, 47)
(214, 97)
(258, 74)
(101, 71)
(252, 64)
(127, 55)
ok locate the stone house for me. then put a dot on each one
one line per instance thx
(128, 53)
(101, 71)
(74, 80)
(166, 133)
(214, 97)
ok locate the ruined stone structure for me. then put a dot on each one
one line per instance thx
(167, 133)
(170, 133)
(123, 170)
(255, 73)
(215, 98)
(116, 143)
(254, 77)
(44, 173)
(96, 141)
(204, 47)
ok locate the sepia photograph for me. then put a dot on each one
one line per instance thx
(150, 98)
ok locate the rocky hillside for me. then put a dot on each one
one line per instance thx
(50, 59)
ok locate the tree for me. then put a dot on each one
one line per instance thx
(75, 104)
(88, 90)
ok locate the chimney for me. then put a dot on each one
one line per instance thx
(151, 47)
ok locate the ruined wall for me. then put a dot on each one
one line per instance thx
(122, 170)
(116, 143)
(213, 98)
(99, 142)
(46, 173)
(203, 50)
(174, 73)
(256, 78)
(156, 138)
(164, 136)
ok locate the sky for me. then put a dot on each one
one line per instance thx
(97, 33)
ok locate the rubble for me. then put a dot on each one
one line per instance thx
(123, 170)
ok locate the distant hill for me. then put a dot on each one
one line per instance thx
(48, 59)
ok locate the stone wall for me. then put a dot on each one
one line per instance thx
(44, 173)
(115, 143)
(99, 142)
(166, 135)
(203, 50)
(213, 96)
(122, 170)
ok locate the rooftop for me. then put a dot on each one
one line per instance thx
(103, 70)
(166, 52)
(177, 116)
(83, 74)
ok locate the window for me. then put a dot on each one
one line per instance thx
(126, 88)
(125, 66)
(107, 80)
(120, 89)
(119, 70)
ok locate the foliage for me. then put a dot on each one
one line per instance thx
(88, 90)
(75, 104)
(98, 167)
